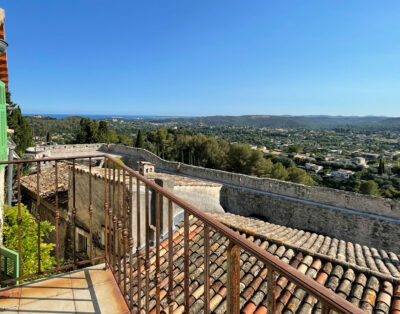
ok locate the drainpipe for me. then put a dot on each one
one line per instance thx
(10, 176)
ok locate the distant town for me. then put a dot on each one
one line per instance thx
(358, 154)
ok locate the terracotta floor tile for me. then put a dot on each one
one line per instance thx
(62, 303)
(45, 288)
(9, 298)
(94, 291)
(86, 300)
(89, 277)
(109, 298)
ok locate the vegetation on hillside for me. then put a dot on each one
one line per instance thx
(226, 146)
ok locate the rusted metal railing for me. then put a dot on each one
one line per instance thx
(136, 266)
(39, 165)
(237, 244)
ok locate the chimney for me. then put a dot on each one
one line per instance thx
(3, 57)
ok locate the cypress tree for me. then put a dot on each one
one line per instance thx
(139, 140)
(381, 168)
(48, 138)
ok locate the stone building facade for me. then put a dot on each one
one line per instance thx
(191, 190)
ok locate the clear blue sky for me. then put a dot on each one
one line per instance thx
(205, 57)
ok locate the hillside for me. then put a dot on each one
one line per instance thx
(267, 121)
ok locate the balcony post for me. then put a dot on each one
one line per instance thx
(233, 293)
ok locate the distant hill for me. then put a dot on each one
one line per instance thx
(309, 122)
(42, 124)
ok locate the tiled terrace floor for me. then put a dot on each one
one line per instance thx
(89, 290)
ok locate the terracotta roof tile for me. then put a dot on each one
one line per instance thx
(347, 278)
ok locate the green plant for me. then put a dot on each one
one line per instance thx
(29, 238)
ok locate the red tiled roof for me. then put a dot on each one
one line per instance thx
(47, 181)
(358, 284)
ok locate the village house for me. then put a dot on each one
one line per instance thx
(341, 174)
(192, 190)
(313, 167)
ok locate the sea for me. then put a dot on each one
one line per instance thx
(94, 116)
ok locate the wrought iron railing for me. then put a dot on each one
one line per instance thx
(132, 257)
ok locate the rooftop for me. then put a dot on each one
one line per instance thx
(366, 277)
(181, 180)
(47, 179)
(47, 183)
(351, 271)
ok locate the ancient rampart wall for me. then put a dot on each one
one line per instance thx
(338, 198)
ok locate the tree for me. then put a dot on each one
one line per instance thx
(396, 170)
(295, 149)
(88, 132)
(258, 165)
(238, 158)
(29, 238)
(103, 132)
(139, 140)
(298, 175)
(279, 172)
(48, 138)
(381, 167)
(124, 139)
(22, 130)
(370, 187)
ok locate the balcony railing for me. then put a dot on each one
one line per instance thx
(128, 249)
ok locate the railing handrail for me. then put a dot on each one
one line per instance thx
(309, 285)
(326, 296)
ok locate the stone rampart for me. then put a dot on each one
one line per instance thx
(365, 229)
(343, 199)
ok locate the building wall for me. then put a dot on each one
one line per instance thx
(98, 217)
(3, 57)
(48, 212)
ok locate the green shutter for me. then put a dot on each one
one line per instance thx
(9, 264)
(3, 125)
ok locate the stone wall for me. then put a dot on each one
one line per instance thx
(63, 150)
(349, 216)
(98, 216)
(348, 225)
(98, 199)
(338, 198)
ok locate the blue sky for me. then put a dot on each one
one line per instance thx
(204, 57)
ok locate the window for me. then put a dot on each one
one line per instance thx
(82, 243)
(102, 236)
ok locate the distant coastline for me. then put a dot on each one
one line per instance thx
(95, 116)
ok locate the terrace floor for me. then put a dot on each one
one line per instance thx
(88, 290)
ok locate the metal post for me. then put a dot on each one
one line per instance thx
(233, 263)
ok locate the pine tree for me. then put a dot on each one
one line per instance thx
(88, 132)
(139, 140)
